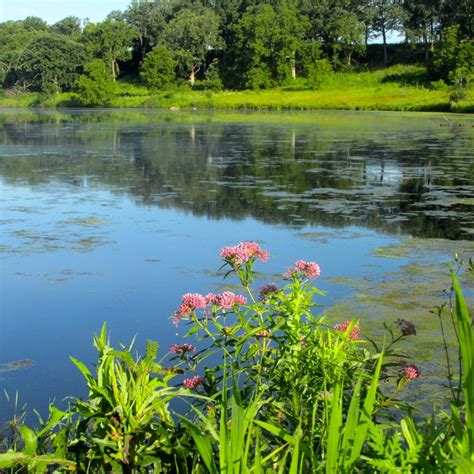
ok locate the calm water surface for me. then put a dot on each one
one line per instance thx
(112, 216)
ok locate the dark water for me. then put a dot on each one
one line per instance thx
(112, 216)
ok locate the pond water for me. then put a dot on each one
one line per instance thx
(113, 215)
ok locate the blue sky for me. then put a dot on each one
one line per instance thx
(54, 10)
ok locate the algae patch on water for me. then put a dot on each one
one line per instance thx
(85, 221)
(15, 365)
(416, 292)
(80, 234)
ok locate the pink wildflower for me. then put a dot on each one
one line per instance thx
(190, 302)
(354, 334)
(193, 382)
(243, 253)
(267, 290)
(409, 371)
(212, 298)
(194, 300)
(182, 348)
(228, 299)
(308, 269)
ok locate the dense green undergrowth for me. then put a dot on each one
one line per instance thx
(398, 88)
(271, 385)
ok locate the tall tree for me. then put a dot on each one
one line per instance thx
(51, 63)
(14, 39)
(148, 18)
(111, 41)
(34, 23)
(69, 26)
(268, 41)
(421, 23)
(348, 33)
(388, 17)
(255, 45)
(337, 24)
(458, 12)
(190, 36)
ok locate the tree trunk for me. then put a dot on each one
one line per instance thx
(293, 65)
(384, 37)
(113, 69)
(192, 77)
(425, 45)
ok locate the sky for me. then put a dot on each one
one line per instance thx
(54, 10)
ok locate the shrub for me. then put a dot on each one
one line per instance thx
(320, 71)
(158, 68)
(95, 86)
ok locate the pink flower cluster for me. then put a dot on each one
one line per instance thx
(228, 299)
(308, 269)
(193, 382)
(182, 348)
(193, 301)
(243, 253)
(409, 371)
(354, 334)
(267, 289)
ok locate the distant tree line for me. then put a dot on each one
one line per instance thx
(238, 44)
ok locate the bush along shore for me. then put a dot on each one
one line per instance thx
(271, 385)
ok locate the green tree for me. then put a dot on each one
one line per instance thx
(340, 26)
(453, 60)
(33, 23)
(13, 41)
(190, 36)
(268, 40)
(148, 18)
(50, 63)
(421, 20)
(69, 26)
(254, 34)
(289, 30)
(95, 86)
(347, 34)
(461, 13)
(111, 41)
(158, 68)
(388, 17)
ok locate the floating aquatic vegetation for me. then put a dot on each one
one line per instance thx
(411, 293)
(15, 365)
(85, 221)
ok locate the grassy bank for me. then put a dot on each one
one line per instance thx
(399, 88)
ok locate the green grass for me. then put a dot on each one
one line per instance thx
(398, 88)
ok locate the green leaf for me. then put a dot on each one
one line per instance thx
(30, 440)
(366, 415)
(12, 458)
(334, 433)
(82, 367)
(203, 445)
(466, 343)
(410, 433)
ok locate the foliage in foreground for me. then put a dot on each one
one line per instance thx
(271, 387)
